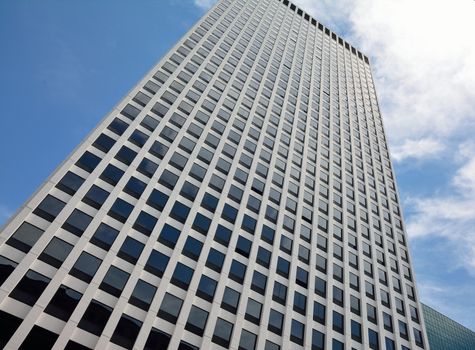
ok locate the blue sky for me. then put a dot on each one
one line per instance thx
(65, 64)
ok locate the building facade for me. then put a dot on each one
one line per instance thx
(446, 334)
(241, 196)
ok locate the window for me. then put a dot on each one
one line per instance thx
(302, 277)
(259, 282)
(318, 340)
(95, 197)
(169, 236)
(247, 341)
(39, 338)
(88, 161)
(337, 345)
(297, 331)
(253, 311)
(145, 223)
(192, 248)
(135, 187)
(189, 191)
(157, 263)
(300, 303)
(157, 200)
(230, 300)
(6, 268)
(104, 236)
(49, 208)
(114, 281)
(111, 175)
(222, 333)
(25, 237)
(283, 267)
(121, 210)
(180, 212)
(170, 308)
(279, 293)
(95, 317)
(147, 167)
(319, 312)
(356, 331)
(168, 179)
(229, 213)
(130, 250)
(206, 288)
(30, 287)
(243, 246)
(237, 271)
(223, 235)
(201, 223)
(157, 340)
(77, 222)
(196, 320)
(182, 276)
(70, 183)
(338, 322)
(85, 267)
(126, 332)
(373, 339)
(8, 324)
(267, 234)
(56, 252)
(263, 257)
(215, 260)
(142, 295)
(125, 155)
(63, 303)
(209, 202)
(276, 320)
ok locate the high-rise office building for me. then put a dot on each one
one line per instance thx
(241, 196)
(444, 333)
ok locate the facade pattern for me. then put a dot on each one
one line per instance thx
(446, 334)
(241, 196)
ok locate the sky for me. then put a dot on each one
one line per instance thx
(65, 64)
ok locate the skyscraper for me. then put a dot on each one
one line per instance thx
(241, 196)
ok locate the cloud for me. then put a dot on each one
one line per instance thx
(417, 149)
(422, 57)
(449, 216)
(204, 4)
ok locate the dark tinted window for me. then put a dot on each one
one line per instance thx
(170, 308)
(126, 332)
(111, 174)
(39, 338)
(230, 300)
(121, 210)
(157, 200)
(25, 237)
(114, 281)
(56, 252)
(130, 250)
(196, 320)
(145, 223)
(182, 276)
(169, 236)
(95, 197)
(88, 161)
(70, 183)
(30, 287)
(49, 208)
(157, 263)
(63, 303)
(6, 268)
(142, 295)
(135, 187)
(237, 271)
(85, 267)
(126, 155)
(104, 236)
(77, 222)
(206, 288)
(95, 317)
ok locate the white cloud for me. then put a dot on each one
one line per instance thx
(422, 58)
(205, 4)
(417, 149)
(452, 216)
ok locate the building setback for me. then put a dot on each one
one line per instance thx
(241, 196)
